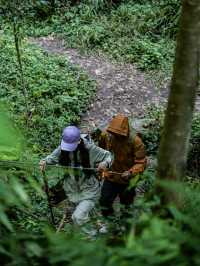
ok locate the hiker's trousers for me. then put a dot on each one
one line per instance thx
(111, 190)
(82, 211)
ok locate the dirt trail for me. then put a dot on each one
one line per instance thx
(120, 87)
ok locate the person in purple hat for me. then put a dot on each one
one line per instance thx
(81, 186)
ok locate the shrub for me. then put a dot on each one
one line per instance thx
(142, 32)
(58, 92)
(151, 134)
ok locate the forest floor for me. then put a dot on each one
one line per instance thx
(120, 87)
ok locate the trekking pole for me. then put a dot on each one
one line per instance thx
(48, 196)
(62, 222)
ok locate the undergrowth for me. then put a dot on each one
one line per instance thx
(58, 92)
(142, 32)
(151, 129)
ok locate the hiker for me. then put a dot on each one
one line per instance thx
(81, 186)
(129, 162)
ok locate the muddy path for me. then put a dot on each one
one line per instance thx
(120, 87)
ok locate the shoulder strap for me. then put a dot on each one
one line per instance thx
(84, 158)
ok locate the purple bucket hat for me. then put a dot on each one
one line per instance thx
(70, 138)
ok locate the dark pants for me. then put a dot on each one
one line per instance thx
(110, 191)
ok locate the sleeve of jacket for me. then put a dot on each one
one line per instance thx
(139, 156)
(53, 158)
(98, 155)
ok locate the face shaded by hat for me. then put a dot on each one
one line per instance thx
(70, 138)
(119, 125)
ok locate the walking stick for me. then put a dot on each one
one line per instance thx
(62, 222)
(48, 196)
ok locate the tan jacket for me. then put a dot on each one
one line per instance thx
(129, 152)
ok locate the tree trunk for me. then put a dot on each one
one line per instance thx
(175, 139)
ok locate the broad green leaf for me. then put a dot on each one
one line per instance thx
(4, 220)
(10, 139)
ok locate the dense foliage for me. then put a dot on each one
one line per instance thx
(142, 32)
(58, 92)
(151, 130)
(154, 239)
